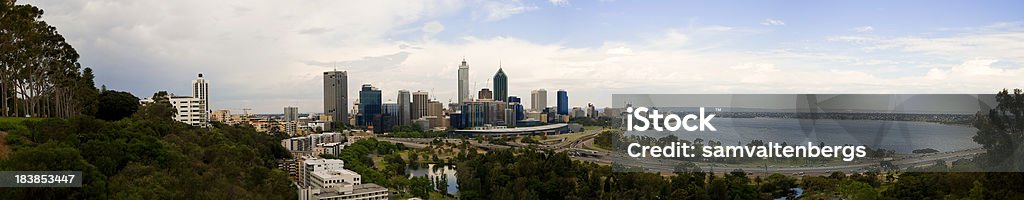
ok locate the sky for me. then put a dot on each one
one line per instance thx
(265, 55)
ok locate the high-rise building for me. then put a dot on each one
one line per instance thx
(419, 104)
(291, 113)
(388, 116)
(578, 112)
(435, 108)
(510, 117)
(404, 110)
(464, 82)
(500, 86)
(193, 110)
(189, 110)
(369, 106)
(485, 94)
(515, 104)
(200, 90)
(563, 102)
(478, 113)
(336, 96)
(538, 100)
(291, 120)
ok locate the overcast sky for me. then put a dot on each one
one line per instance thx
(265, 55)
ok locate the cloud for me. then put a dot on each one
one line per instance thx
(864, 29)
(773, 22)
(314, 31)
(498, 10)
(433, 27)
(267, 55)
(559, 3)
(619, 51)
(997, 44)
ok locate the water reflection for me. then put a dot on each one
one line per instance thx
(435, 172)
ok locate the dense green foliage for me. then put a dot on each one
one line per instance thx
(1001, 132)
(389, 171)
(607, 139)
(532, 174)
(116, 105)
(145, 159)
(359, 158)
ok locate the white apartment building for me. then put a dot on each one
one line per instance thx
(327, 179)
(193, 110)
(190, 110)
(341, 179)
(313, 165)
(309, 142)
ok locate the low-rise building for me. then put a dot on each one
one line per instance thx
(328, 179)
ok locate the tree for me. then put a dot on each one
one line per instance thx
(1001, 131)
(115, 105)
(858, 190)
(779, 185)
(41, 74)
(420, 186)
(156, 111)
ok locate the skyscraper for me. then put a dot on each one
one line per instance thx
(516, 105)
(464, 82)
(538, 100)
(485, 94)
(291, 120)
(389, 112)
(404, 110)
(336, 96)
(563, 102)
(419, 104)
(369, 106)
(435, 108)
(291, 113)
(200, 91)
(500, 86)
(193, 110)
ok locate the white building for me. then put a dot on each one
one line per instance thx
(334, 179)
(333, 148)
(193, 110)
(189, 110)
(367, 191)
(328, 179)
(309, 142)
(313, 165)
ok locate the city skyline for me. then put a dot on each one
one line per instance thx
(265, 55)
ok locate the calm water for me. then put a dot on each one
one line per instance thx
(901, 136)
(435, 172)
